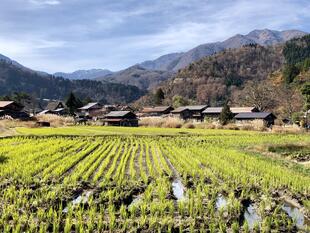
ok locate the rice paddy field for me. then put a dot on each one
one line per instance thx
(106, 179)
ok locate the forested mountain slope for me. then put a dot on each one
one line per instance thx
(15, 78)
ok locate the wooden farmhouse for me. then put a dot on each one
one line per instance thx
(12, 110)
(182, 113)
(91, 110)
(156, 111)
(121, 118)
(266, 118)
(54, 107)
(193, 112)
(214, 112)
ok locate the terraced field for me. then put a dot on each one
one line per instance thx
(206, 182)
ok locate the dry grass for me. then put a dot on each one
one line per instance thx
(231, 126)
(7, 124)
(205, 125)
(189, 125)
(291, 129)
(169, 122)
(55, 120)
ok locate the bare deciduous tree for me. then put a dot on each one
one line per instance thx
(259, 94)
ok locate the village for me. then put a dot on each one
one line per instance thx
(124, 115)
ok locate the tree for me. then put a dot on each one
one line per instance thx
(305, 91)
(73, 103)
(87, 100)
(226, 115)
(259, 94)
(178, 101)
(159, 96)
(289, 73)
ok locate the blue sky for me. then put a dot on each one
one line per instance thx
(66, 35)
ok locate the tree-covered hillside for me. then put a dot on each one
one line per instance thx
(212, 80)
(17, 79)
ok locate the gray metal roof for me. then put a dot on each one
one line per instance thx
(155, 109)
(253, 115)
(179, 109)
(213, 110)
(117, 114)
(196, 107)
(236, 110)
(190, 108)
(88, 106)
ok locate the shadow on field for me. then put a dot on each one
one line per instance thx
(3, 159)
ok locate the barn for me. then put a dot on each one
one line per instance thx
(266, 118)
(90, 109)
(121, 118)
(193, 112)
(156, 111)
(54, 107)
(12, 110)
(182, 113)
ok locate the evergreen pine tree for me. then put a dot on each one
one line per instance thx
(73, 103)
(159, 96)
(226, 115)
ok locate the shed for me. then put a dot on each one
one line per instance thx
(156, 111)
(267, 117)
(182, 113)
(190, 112)
(121, 118)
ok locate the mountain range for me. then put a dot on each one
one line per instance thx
(176, 61)
(130, 84)
(164, 67)
(149, 73)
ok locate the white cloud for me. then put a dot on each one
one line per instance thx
(117, 34)
(45, 2)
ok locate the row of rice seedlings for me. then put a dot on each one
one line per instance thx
(142, 168)
(84, 165)
(121, 169)
(134, 155)
(70, 161)
(116, 159)
(107, 159)
(95, 166)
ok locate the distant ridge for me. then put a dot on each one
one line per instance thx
(264, 37)
(150, 74)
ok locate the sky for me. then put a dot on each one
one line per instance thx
(67, 35)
